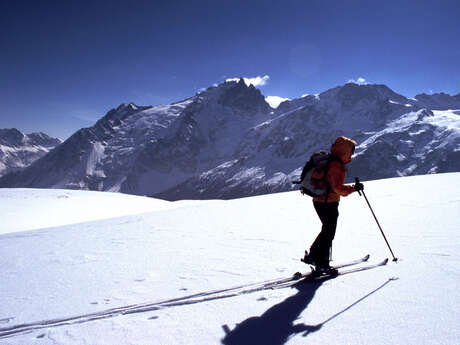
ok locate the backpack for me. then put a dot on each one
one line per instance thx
(313, 178)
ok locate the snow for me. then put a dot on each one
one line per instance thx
(277, 118)
(446, 121)
(112, 281)
(449, 119)
(275, 101)
(29, 209)
(256, 81)
(400, 157)
(95, 158)
(407, 105)
(10, 150)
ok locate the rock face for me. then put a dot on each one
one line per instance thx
(227, 142)
(19, 150)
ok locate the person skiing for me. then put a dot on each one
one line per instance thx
(326, 206)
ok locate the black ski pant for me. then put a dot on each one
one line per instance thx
(328, 214)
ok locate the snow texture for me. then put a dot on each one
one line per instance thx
(151, 278)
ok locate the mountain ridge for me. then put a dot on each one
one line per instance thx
(18, 150)
(227, 142)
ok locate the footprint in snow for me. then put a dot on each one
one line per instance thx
(106, 301)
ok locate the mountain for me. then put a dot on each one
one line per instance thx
(227, 142)
(397, 139)
(420, 142)
(19, 150)
(437, 101)
(145, 150)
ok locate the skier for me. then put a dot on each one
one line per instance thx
(326, 206)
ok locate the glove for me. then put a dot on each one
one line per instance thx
(358, 186)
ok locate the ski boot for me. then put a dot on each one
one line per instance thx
(325, 270)
(308, 259)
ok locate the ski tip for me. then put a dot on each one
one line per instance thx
(366, 257)
(384, 262)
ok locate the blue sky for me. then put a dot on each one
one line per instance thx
(64, 64)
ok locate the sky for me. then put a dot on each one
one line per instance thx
(64, 64)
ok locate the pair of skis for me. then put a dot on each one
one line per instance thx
(314, 274)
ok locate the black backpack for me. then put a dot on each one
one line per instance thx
(318, 163)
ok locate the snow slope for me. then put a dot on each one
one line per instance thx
(28, 209)
(113, 281)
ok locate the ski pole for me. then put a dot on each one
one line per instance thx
(378, 224)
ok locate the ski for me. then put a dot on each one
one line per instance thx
(311, 277)
(351, 270)
(353, 262)
(299, 275)
(364, 268)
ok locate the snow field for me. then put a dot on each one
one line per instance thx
(196, 246)
(30, 209)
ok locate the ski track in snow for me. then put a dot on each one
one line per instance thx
(201, 297)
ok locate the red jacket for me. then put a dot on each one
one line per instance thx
(342, 149)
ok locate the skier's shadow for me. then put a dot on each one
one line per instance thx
(276, 325)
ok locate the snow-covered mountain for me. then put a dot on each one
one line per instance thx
(193, 272)
(396, 138)
(146, 150)
(227, 142)
(419, 142)
(438, 101)
(19, 150)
